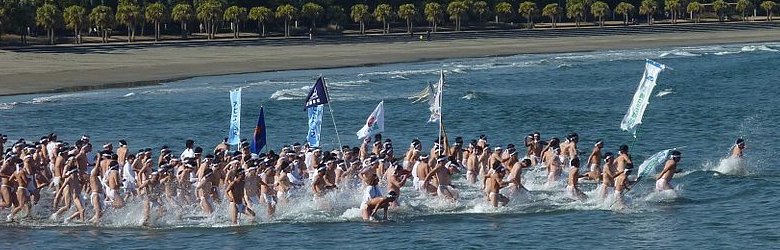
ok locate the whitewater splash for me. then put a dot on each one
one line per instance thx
(731, 166)
(664, 93)
(343, 206)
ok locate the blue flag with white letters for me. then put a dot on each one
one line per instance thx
(315, 125)
(317, 95)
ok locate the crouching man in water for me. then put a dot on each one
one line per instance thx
(370, 192)
(235, 194)
(662, 182)
(376, 203)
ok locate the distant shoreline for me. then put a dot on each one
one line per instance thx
(53, 71)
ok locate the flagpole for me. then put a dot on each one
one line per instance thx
(325, 84)
(441, 113)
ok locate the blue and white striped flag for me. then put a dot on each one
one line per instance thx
(235, 117)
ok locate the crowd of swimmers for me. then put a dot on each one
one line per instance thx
(79, 176)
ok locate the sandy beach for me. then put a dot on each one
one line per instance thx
(34, 72)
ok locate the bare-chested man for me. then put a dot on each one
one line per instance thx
(472, 164)
(252, 187)
(535, 146)
(516, 187)
(6, 178)
(113, 184)
(607, 176)
(375, 204)
(443, 173)
(569, 148)
(71, 190)
(25, 182)
(395, 181)
(663, 181)
(370, 192)
(738, 148)
(572, 187)
(268, 177)
(493, 185)
(554, 166)
(623, 165)
(235, 194)
(151, 190)
(96, 195)
(121, 152)
(203, 191)
(594, 160)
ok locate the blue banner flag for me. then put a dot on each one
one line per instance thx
(315, 125)
(258, 140)
(235, 117)
(317, 95)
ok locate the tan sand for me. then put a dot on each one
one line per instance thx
(44, 72)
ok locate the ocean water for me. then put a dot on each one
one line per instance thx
(713, 95)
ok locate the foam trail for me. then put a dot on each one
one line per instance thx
(731, 166)
(664, 93)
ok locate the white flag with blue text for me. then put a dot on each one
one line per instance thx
(235, 117)
(636, 111)
(375, 123)
(315, 125)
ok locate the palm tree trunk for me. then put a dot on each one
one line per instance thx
(384, 26)
(129, 36)
(263, 29)
(286, 32)
(408, 26)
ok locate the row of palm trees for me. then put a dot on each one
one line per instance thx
(210, 13)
